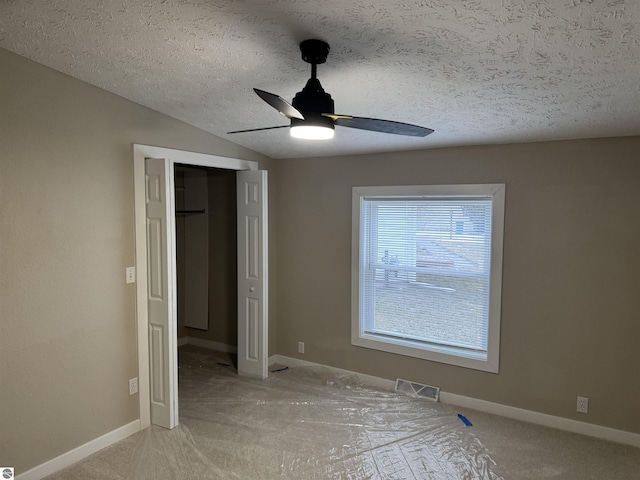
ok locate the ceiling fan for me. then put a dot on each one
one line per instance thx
(312, 112)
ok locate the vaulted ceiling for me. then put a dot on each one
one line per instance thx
(477, 71)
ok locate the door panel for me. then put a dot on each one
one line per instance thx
(252, 273)
(160, 295)
(158, 394)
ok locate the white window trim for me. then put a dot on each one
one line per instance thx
(442, 354)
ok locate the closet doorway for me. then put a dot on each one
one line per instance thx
(157, 285)
(206, 270)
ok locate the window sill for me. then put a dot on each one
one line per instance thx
(436, 353)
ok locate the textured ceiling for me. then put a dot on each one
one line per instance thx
(477, 72)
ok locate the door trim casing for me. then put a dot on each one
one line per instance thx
(140, 152)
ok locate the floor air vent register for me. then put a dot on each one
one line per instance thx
(414, 389)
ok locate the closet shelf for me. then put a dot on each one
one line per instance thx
(190, 212)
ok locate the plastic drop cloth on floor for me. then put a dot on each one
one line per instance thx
(300, 423)
(311, 423)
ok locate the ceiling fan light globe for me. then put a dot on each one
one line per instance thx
(311, 132)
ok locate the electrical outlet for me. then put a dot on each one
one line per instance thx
(130, 274)
(133, 386)
(583, 405)
(300, 347)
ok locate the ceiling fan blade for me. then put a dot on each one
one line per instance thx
(280, 104)
(377, 125)
(258, 129)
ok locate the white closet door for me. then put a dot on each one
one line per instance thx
(160, 296)
(252, 273)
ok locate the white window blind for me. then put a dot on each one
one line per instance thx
(425, 271)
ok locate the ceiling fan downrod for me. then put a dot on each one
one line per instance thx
(314, 52)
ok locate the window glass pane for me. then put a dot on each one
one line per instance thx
(426, 269)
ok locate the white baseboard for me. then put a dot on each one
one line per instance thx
(199, 342)
(597, 431)
(67, 459)
(370, 379)
(566, 424)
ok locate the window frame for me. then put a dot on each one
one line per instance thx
(488, 362)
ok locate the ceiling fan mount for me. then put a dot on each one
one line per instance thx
(312, 109)
(314, 51)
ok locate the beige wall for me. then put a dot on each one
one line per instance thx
(67, 318)
(571, 295)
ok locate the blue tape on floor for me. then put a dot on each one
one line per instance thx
(465, 420)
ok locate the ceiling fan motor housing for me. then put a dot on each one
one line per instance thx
(312, 102)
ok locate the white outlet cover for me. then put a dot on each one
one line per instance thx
(133, 386)
(582, 405)
(130, 274)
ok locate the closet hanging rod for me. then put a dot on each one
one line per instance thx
(190, 212)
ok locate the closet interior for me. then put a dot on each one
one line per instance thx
(206, 257)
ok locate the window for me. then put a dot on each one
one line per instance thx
(427, 272)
